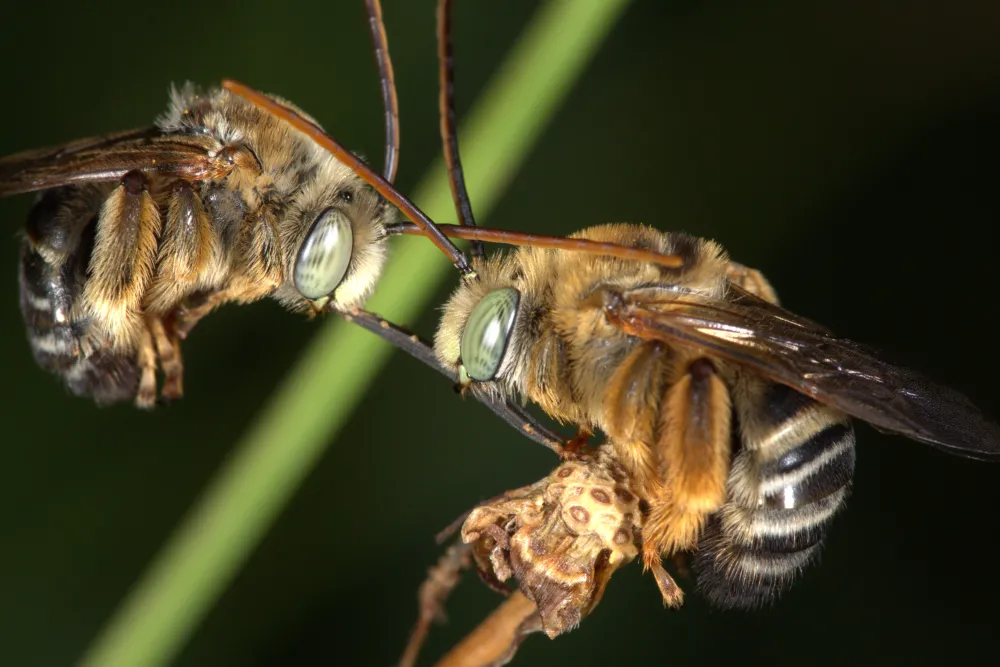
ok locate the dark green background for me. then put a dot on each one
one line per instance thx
(848, 148)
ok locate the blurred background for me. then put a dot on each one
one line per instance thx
(848, 149)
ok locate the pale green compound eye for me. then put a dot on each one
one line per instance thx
(487, 333)
(325, 255)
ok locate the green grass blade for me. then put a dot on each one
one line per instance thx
(240, 505)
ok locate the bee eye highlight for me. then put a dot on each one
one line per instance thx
(324, 256)
(487, 333)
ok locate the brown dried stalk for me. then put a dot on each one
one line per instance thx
(441, 579)
(495, 641)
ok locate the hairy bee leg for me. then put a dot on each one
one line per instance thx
(631, 400)
(121, 263)
(190, 251)
(693, 448)
(146, 360)
(752, 281)
(433, 593)
(672, 594)
(169, 352)
(186, 317)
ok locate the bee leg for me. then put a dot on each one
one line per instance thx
(752, 281)
(146, 360)
(693, 444)
(188, 315)
(190, 251)
(121, 263)
(632, 397)
(672, 594)
(169, 351)
(441, 580)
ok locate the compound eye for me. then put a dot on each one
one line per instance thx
(487, 333)
(324, 255)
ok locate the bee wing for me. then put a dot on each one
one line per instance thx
(108, 158)
(838, 372)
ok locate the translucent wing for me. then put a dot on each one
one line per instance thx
(191, 157)
(838, 372)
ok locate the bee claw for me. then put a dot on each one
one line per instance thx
(672, 594)
(171, 392)
(145, 398)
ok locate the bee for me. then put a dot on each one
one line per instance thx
(732, 414)
(138, 235)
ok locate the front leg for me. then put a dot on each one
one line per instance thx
(190, 313)
(441, 580)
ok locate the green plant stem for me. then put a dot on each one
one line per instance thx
(317, 398)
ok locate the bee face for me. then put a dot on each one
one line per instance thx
(487, 334)
(333, 239)
(485, 331)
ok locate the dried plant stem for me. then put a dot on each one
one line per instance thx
(495, 640)
(226, 524)
(441, 581)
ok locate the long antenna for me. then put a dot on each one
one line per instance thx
(426, 226)
(366, 174)
(449, 129)
(387, 81)
(507, 237)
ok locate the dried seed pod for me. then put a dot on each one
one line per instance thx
(560, 538)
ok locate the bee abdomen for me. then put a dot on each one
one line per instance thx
(731, 576)
(52, 275)
(753, 550)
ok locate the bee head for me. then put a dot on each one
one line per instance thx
(334, 241)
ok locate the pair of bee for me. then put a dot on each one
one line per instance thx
(730, 415)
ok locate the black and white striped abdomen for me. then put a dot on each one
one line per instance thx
(53, 271)
(791, 474)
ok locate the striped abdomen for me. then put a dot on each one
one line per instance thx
(791, 474)
(53, 271)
